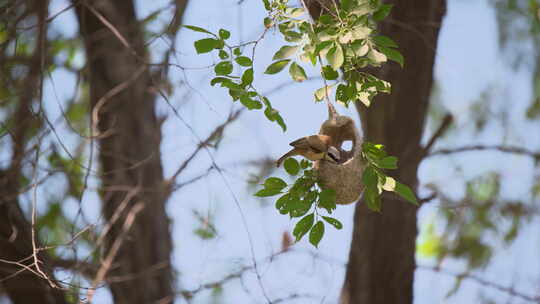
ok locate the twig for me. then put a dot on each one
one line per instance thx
(107, 263)
(447, 121)
(500, 148)
(483, 282)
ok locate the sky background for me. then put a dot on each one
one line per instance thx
(468, 63)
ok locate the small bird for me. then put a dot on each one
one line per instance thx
(314, 147)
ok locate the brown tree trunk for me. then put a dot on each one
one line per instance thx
(129, 150)
(381, 259)
(16, 250)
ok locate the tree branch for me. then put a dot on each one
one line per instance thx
(447, 121)
(500, 148)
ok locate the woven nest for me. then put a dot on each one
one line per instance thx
(345, 177)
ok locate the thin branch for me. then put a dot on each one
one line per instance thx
(483, 282)
(218, 131)
(447, 121)
(107, 263)
(500, 148)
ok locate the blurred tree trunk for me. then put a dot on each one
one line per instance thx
(16, 250)
(382, 256)
(122, 96)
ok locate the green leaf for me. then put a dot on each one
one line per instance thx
(223, 68)
(277, 66)
(327, 19)
(342, 93)
(244, 61)
(223, 54)
(281, 122)
(285, 51)
(268, 22)
(273, 115)
(384, 41)
(335, 56)
(303, 226)
(267, 192)
(224, 34)
(360, 48)
(382, 12)
(297, 72)
(389, 162)
(282, 204)
(332, 221)
(406, 193)
(370, 178)
(322, 46)
(274, 183)
(206, 45)
(327, 200)
(371, 195)
(294, 12)
(346, 5)
(235, 94)
(304, 164)
(311, 197)
(292, 36)
(237, 52)
(247, 77)
(291, 166)
(329, 73)
(197, 29)
(221, 80)
(393, 54)
(320, 94)
(299, 208)
(250, 103)
(316, 233)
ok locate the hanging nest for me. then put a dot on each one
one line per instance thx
(345, 177)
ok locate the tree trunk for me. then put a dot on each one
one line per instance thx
(382, 255)
(16, 250)
(129, 150)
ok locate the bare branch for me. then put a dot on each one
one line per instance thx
(500, 148)
(447, 121)
(107, 263)
(468, 276)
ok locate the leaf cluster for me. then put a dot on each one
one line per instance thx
(342, 39)
(240, 88)
(375, 179)
(303, 199)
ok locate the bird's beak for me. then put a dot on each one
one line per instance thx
(332, 155)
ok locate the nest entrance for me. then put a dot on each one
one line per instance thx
(345, 177)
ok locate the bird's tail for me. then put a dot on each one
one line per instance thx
(287, 155)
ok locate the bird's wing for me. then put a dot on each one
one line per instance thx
(317, 144)
(301, 143)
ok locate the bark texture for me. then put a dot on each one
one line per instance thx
(382, 256)
(129, 150)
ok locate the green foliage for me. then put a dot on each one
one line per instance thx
(481, 210)
(71, 169)
(376, 181)
(344, 37)
(239, 88)
(303, 199)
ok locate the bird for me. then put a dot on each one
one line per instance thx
(313, 147)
